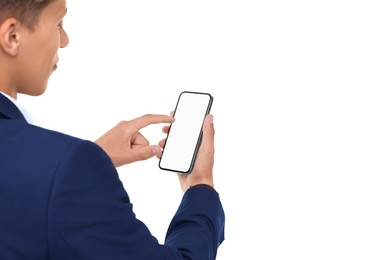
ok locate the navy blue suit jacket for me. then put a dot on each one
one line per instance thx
(61, 198)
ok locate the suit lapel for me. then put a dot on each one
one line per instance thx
(8, 110)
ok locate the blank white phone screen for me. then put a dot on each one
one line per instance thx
(184, 134)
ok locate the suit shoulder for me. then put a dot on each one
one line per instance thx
(16, 130)
(19, 137)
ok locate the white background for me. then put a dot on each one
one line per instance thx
(302, 106)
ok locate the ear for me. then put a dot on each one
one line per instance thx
(10, 36)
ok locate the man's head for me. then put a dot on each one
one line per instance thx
(31, 32)
(26, 11)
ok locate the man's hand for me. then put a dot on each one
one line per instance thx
(204, 164)
(125, 144)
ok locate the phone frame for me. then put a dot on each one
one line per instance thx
(199, 141)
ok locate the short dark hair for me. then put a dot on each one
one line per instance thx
(25, 11)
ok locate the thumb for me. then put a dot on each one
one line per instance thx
(145, 153)
(208, 131)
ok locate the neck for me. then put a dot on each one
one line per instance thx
(10, 93)
(7, 84)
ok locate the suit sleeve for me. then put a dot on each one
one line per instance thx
(90, 215)
(197, 229)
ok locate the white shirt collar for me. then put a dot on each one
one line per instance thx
(24, 111)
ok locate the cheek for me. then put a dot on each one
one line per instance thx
(36, 62)
(50, 46)
(48, 57)
(51, 51)
(39, 71)
(41, 55)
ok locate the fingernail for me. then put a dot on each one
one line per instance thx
(156, 149)
(211, 119)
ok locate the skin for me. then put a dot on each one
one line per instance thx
(125, 144)
(204, 164)
(203, 168)
(32, 54)
(29, 57)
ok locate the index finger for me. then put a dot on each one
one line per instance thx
(149, 119)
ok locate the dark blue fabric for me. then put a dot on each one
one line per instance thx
(61, 198)
(9, 110)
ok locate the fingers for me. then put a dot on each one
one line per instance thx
(203, 169)
(165, 129)
(208, 133)
(140, 154)
(125, 144)
(147, 152)
(149, 119)
(162, 143)
(138, 140)
(208, 124)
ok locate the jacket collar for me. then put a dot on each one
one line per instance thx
(8, 110)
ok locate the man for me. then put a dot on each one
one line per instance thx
(61, 197)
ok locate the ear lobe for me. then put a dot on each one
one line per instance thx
(10, 36)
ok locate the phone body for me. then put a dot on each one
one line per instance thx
(185, 134)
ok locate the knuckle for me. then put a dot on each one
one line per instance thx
(122, 123)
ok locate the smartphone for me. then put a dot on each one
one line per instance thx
(185, 134)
